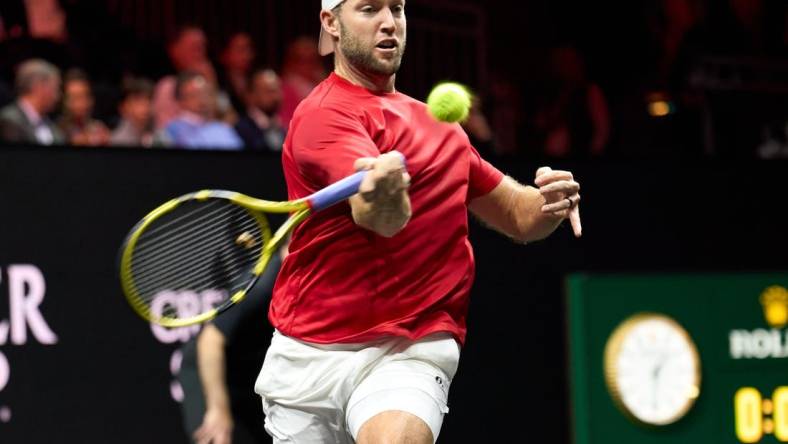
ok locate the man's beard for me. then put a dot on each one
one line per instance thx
(363, 59)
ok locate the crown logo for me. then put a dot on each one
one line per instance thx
(775, 306)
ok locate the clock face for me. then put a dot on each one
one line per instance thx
(652, 369)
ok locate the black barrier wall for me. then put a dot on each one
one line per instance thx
(76, 365)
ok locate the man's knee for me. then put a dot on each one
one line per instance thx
(395, 427)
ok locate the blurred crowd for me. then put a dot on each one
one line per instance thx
(666, 95)
(231, 105)
(666, 78)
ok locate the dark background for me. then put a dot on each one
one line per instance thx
(107, 380)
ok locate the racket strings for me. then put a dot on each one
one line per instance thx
(156, 237)
(199, 278)
(229, 275)
(174, 277)
(199, 246)
(144, 270)
(206, 237)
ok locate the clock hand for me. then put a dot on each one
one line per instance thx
(655, 377)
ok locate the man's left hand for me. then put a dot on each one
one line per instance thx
(561, 195)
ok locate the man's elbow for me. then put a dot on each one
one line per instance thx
(529, 238)
(524, 236)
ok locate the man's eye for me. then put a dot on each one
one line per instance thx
(367, 9)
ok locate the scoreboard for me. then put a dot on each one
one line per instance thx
(679, 358)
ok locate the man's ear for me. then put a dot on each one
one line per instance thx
(330, 23)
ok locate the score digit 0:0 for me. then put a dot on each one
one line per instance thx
(749, 414)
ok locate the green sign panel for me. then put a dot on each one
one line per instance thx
(679, 358)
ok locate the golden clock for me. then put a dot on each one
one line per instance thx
(652, 369)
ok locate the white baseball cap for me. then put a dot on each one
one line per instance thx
(326, 44)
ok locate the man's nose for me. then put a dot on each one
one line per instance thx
(388, 24)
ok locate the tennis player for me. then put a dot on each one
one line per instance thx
(370, 306)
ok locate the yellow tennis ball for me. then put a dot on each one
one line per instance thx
(449, 102)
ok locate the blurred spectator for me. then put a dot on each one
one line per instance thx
(237, 58)
(506, 114)
(574, 120)
(747, 33)
(136, 115)
(302, 70)
(748, 28)
(479, 131)
(196, 126)
(261, 128)
(187, 51)
(77, 122)
(38, 19)
(675, 30)
(26, 121)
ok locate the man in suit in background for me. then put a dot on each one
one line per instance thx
(261, 128)
(25, 121)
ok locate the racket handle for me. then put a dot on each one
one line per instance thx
(336, 192)
(339, 191)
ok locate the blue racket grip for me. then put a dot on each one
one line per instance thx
(339, 191)
(336, 192)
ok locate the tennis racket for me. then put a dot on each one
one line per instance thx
(199, 254)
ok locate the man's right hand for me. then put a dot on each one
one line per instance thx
(387, 176)
(216, 428)
(382, 204)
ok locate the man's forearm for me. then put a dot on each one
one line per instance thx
(210, 363)
(386, 215)
(531, 222)
(524, 213)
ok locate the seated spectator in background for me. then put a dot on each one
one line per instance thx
(136, 115)
(261, 128)
(302, 70)
(237, 59)
(673, 30)
(574, 121)
(196, 127)
(479, 130)
(26, 121)
(38, 19)
(187, 52)
(77, 122)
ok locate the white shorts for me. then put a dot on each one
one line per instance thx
(324, 393)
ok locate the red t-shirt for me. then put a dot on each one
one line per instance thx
(344, 284)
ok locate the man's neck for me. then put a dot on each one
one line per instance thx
(373, 82)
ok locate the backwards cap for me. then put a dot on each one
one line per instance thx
(326, 45)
